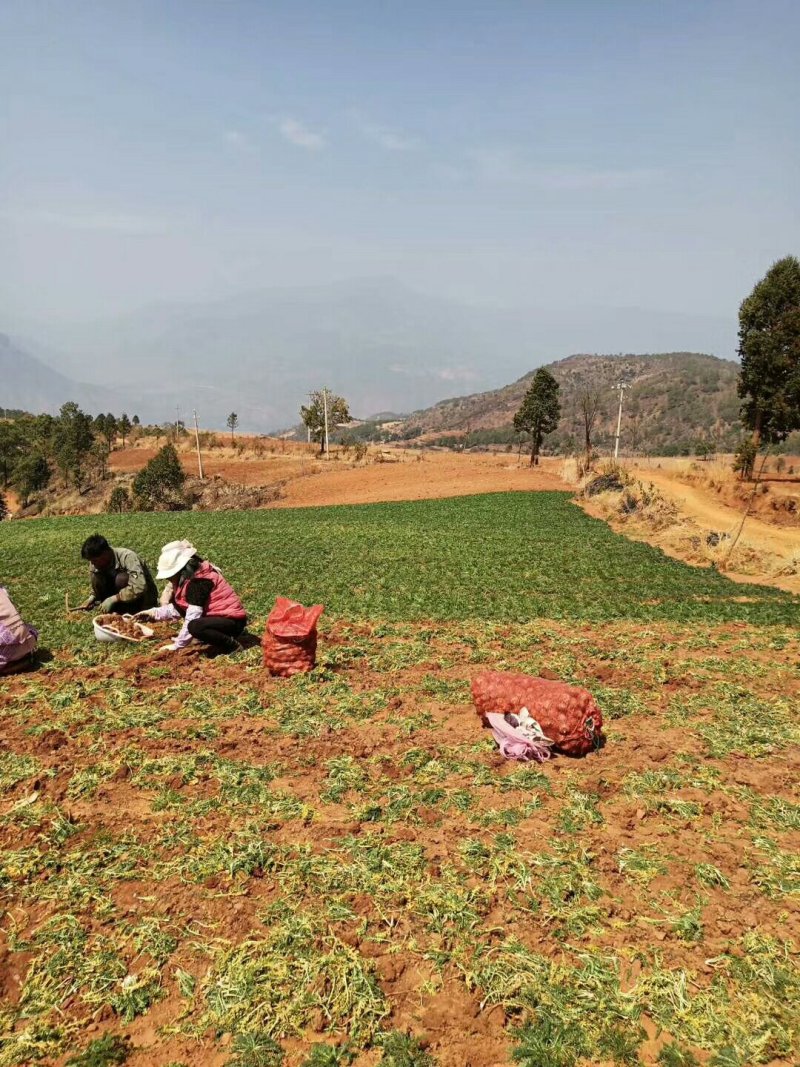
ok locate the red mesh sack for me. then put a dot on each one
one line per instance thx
(567, 714)
(290, 639)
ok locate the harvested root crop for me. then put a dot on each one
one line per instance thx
(127, 628)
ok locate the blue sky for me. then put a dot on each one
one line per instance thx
(543, 153)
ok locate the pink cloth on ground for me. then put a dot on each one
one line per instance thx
(512, 744)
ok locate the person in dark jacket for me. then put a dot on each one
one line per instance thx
(121, 580)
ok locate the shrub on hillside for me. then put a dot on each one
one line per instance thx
(158, 486)
(31, 474)
(119, 500)
(745, 459)
(612, 479)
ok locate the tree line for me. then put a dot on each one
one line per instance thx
(71, 450)
(71, 446)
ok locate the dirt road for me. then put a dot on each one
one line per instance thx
(700, 505)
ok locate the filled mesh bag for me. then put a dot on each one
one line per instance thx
(567, 714)
(290, 639)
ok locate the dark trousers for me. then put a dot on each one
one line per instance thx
(217, 631)
(104, 586)
(131, 607)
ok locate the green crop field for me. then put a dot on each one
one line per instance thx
(515, 557)
(202, 865)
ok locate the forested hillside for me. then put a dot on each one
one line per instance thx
(675, 400)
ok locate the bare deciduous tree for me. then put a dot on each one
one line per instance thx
(590, 409)
(636, 428)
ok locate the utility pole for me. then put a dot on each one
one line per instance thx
(197, 443)
(622, 386)
(325, 409)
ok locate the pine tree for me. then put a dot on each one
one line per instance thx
(124, 427)
(232, 422)
(110, 430)
(540, 411)
(72, 441)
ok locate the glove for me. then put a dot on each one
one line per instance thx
(87, 605)
(108, 604)
(146, 613)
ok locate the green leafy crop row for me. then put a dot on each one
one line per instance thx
(514, 557)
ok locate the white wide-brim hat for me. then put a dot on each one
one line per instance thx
(174, 558)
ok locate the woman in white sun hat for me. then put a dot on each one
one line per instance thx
(211, 611)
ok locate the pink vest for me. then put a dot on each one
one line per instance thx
(17, 639)
(223, 601)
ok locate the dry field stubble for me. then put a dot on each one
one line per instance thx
(384, 474)
(702, 514)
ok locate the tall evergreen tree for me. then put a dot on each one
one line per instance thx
(124, 427)
(540, 411)
(232, 422)
(110, 430)
(72, 440)
(769, 348)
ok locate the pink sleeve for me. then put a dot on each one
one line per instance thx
(184, 637)
(165, 613)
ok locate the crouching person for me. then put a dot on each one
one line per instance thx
(121, 580)
(212, 613)
(18, 640)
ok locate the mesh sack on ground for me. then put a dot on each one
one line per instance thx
(290, 639)
(567, 714)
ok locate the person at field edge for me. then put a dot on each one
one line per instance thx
(121, 580)
(18, 640)
(212, 613)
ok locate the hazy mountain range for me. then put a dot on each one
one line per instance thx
(31, 385)
(377, 342)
